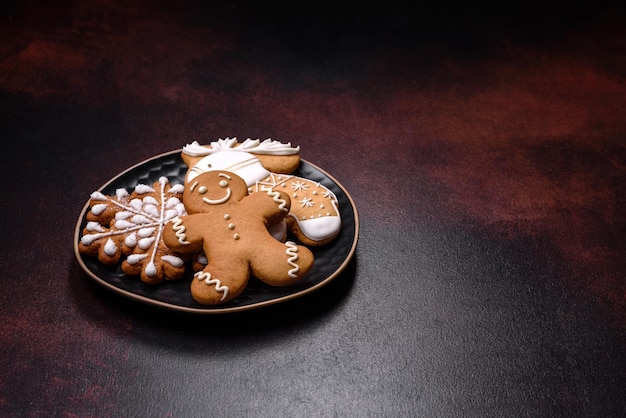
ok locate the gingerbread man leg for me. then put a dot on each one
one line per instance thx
(281, 264)
(215, 285)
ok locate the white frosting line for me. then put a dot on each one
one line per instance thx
(292, 252)
(206, 276)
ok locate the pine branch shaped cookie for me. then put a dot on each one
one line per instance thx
(131, 225)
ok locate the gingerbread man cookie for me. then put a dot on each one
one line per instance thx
(314, 216)
(230, 227)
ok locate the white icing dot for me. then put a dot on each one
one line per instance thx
(151, 269)
(146, 232)
(236, 236)
(145, 243)
(98, 196)
(94, 227)
(121, 224)
(98, 209)
(226, 216)
(135, 258)
(322, 206)
(123, 215)
(202, 189)
(131, 240)
(110, 248)
(173, 260)
(231, 226)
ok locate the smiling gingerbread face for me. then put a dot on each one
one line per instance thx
(213, 188)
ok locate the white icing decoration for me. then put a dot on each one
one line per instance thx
(94, 227)
(179, 230)
(123, 215)
(282, 203)
(172, 213)
(151, 269)
(319, 229)
(145, 243)
(98, 196)
(144, 217)
(136, 204)
(270, 181)
(245, 165)
(268, 146)
(206, 276)
(219, 201)
(88, 239)
(143, 189)
(121, 193)
(307, 202)
(150, 200)
(300, 186)
(140, 219)
(131, 240)
(292, 252)
(172, 202)
(178, 188)
(123, 224)
(98, 209)
(110, 248)
(135, 258)
(173, 260)
(146, 232)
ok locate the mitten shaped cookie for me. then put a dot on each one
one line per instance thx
(230, 227)
(314, 216)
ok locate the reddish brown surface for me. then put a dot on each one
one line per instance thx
(485, 152)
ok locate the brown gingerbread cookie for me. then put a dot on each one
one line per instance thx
(275, 156)
(128, 227)
(314, 216)
(230, 227)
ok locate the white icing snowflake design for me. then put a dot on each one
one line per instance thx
(299, 186)
(132, 225)
(307, 202)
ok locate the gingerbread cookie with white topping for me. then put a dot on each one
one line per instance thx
(268, 165)
(126, 229)
(230, 227)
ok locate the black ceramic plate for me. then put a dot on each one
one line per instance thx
(330, 259)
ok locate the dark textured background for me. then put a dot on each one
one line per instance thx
(485, 151)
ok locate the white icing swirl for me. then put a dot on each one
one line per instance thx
(282, 204)
(292, 252)
(179, 230)
(206, 276)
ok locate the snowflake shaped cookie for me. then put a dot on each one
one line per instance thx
(131, 225)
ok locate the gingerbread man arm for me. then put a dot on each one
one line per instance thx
(181, 234)
(272, 205)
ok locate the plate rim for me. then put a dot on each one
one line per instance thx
(212, 310)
